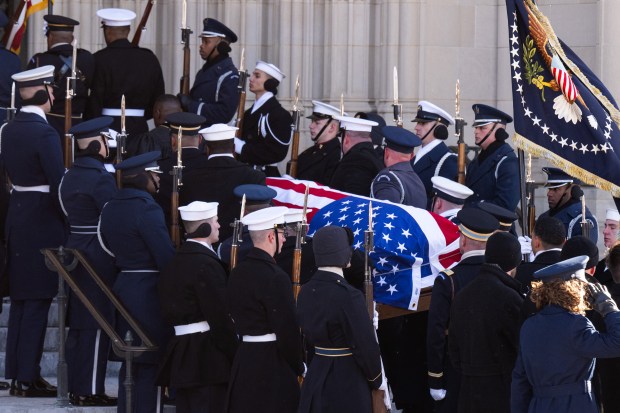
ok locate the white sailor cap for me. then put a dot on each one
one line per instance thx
(429, 112)
(43, 75)
(270, 69)
(294, 215)
(322, 110)
(355, 124)
(218, 132)
(450, 190)
(116, 17)
(613, 215)
(266, 218)
(198, 211)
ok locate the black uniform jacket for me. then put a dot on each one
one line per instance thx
(318, 162)
(484, 339)
(192, 288)
(525, 275)
(332, 314)
(357, 169)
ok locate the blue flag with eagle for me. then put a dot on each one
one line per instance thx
(562, 111)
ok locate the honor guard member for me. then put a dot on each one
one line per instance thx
(484, 329)
(505, 217)
(214, 94)
(31, 153)
(192, 156)
(192, 292)
(268, 361)
(223, 173)
(9, 65)
(346, 365)
(476, 227)
(611, 233)
(256, 197)
(59, 32)
(559, 346)
(564, 199)
(494, 174)
(360, 163)
(133, 230)
(266, 132)
(398, 182)
(434, 158)
(448, 197)
(83, 192)
(124, 69)
(318, 162)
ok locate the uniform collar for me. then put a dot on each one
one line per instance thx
(335, 270)
(473, 253)
(261, 101)
(426, 149)
(221, 155)
(34, 109)
(203, 243)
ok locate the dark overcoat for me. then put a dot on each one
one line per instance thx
(357, 169)
(570, 215)
(318, 162)
(10, 64)
(440, 161)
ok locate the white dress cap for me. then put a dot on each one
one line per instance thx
(266, 218)
(355, 124)
(426, 109)
(293, 215)
(218, 132)
(613, 215)
(198, 211)
(450, 190)
(116, 17)
(325, 109)
(35, 77)
(271, 70)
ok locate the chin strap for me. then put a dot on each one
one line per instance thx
(318, 135)
(487, 135)
(154, 182)
(429, 131)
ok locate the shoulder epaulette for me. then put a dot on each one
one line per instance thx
(448, 272)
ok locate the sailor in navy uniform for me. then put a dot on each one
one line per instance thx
(133, 230)
(398, 182)
(9, 65)
(494, 174)
(260, 298)
(448, 197)
(564, 198)
(318, 162)
(59, 32)
(346, 362)
(124, 69)
(559, 346)
(476, 227)
(83, 192)
(256, 197)
(223, 174)
(192, 157)
(266, 132)
(360, 163)
(32, 157)
(214, 94)
(434, 158)
(192, 292)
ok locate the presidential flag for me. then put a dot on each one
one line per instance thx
(562, 111)
(411, 245)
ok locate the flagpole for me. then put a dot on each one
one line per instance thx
(50, 6)
(523, 190)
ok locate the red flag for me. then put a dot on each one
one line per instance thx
(14, 40)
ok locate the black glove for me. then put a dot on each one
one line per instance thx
(601, 300)
(576, 192)
(185, 101)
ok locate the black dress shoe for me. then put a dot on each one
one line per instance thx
(4, 386)
(13, 390)
(39, 388)
(93, 400)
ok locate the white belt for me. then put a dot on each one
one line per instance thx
(128, 112)
(199, 327)
(260, 339)
(140, 271)
(37, 188)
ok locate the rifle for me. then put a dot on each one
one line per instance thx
(10, 112)
(459, 128)
(237, 235)
(177, 182)
(71, 92)
(121, 143)
(398, 108)
(142, 26)
(296, 114)
(300, 239)
(585, 225)
(530, 187)
(185, 32)
(243, 77)
(369, 242)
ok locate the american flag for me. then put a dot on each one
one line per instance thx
(13, 35)
(411, 245)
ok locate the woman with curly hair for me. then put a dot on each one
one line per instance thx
(559, 345)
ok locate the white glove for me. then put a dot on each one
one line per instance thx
(526, 245)
(239, 145)
(375, 315)
(305, 370)
(438, 394)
